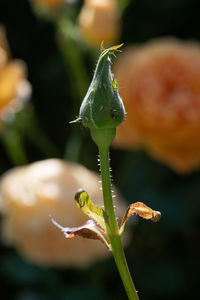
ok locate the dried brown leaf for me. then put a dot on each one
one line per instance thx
(89, 230)
(141, 210)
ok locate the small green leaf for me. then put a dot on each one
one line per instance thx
(85, 203)
(141, 210)
(89, 230)
(123, 4)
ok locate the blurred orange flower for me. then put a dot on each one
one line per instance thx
(14, 88)
(160, 85)
(99, 21)
(49, 3)
(30, 194)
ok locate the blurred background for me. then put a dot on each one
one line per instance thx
(48, 54)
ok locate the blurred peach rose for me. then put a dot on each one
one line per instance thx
(14, 88)
(160, 85)
(49, 3)
(99, 21)
(30, 194)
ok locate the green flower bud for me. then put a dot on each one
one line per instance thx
(102, 107)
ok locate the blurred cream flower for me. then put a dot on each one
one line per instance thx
(14, 88)
(160, 85)
(52, 4)
(99, 21)
(30, 194)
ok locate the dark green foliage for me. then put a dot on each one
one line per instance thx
(164, 258)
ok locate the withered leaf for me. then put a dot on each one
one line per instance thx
(85, 203)
(141, 210)
(89, 230)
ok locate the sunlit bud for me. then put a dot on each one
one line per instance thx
(102, 107)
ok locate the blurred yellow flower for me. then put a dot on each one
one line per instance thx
(99, 21)
(160, 85)
(14, 88)
(30, 194)
(49, 3)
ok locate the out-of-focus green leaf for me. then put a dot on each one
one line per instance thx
(85, 203)
(89, 230)
(122, 4)
(141, 210)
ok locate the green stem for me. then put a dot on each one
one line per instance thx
(38, 137)
(73, 59)
(73, 147)
(13, 143)
(120, 260)
(75, 65)
(106, 187)
(26, 125)
(113, 231)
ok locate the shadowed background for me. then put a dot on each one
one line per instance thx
(163, 257)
